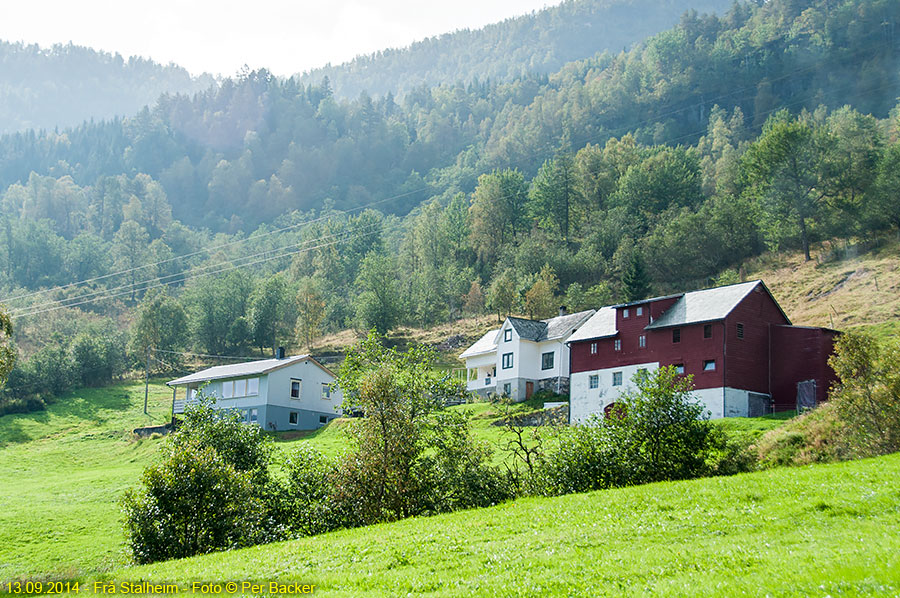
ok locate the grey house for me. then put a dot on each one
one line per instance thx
(290, 393)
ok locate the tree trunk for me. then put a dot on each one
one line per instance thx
(804, 239)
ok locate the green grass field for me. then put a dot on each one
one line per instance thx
(819, 531)
(65, 470)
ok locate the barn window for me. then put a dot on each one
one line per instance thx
(709, 365)
(676, 335)
(507, 361)
(625, 313)
(639, 311)
(617, 378)
(593, 381)
(547, 360)
(293, 418)
(618, 344)
(507, 335)
(642, 341)
(593, 348)
(679, 367)
(295, 389)
(707, 331)
(740, 331)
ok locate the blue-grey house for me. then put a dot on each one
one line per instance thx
(290, 393)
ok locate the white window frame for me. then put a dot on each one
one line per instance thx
(594, 381)
(252, 387)
(593, 348)
(617, 379)
(299, 382)
(240, 388)
(326, 391)
(617, 344)
(642, 341)
(639, 310)
(625, 312)
(228, 389)
(295, 416)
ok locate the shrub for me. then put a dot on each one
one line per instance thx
(814, 437)
(191, 503)
(660, 432)
(212, 491)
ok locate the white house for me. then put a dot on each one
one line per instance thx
(523, 356)
(287, 393)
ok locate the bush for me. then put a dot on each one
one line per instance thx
(660, 432)
(191, 503)
(814, 437)
(212, 491)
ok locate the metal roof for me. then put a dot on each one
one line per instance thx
(486, 344)
(705, 306)
(238, 370)
(601, 325)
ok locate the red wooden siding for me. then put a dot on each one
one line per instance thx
(799, 354)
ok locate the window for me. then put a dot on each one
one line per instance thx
(625, 313)
(323, 419)
(507, 361)
(679, 367)
(642, 371)
(507, 335)
(507, 389)
(228, 389)
(293, 418)
(254, 415)
(593, 348)
(191, 393)
(326, 391)
(593, 381)
(617, 378)
(740, 331)
(618, 344)
(295, 389)
(639, 311)
(707, 331)
(547, 360)
(642, 341)
(240, 388)
(676, 335)
(252, 387)
(709, 365)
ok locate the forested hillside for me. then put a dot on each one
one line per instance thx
(538, 43)
(267, 212)
(63, 86)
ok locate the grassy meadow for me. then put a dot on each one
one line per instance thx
(828, 530)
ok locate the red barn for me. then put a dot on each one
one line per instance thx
(745, 356)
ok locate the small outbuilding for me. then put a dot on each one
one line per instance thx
(285, 393)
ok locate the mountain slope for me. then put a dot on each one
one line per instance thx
(540, 42)
(63, 86)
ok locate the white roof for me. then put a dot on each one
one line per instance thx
(238, 370)
(485, 344)
(704, 306)
(602, 324)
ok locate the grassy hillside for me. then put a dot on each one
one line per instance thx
(843, 288)
(826, 530)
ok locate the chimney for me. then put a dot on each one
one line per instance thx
(562, 310)
(279, 354)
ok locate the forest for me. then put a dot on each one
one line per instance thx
(267, 212)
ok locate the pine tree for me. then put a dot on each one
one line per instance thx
(635, 280)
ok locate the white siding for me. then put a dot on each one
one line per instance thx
(312, 377)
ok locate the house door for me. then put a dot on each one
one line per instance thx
(529, 390)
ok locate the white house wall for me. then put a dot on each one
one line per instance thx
(584, 402)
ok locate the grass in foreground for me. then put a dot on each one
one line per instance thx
(824, 530)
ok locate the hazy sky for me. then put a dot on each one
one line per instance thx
(220, 36)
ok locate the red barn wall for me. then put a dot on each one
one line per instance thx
(799, 354)
(747, 359)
